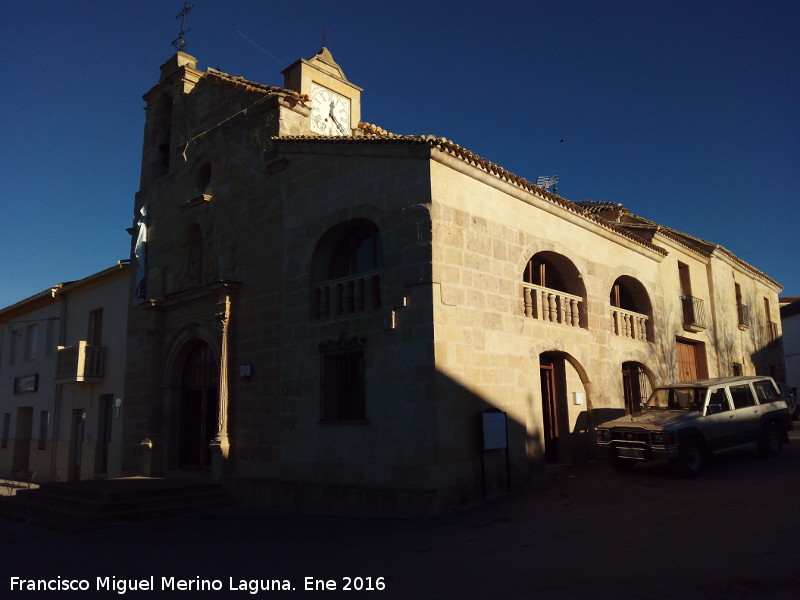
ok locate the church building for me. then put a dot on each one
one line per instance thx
(333, 318)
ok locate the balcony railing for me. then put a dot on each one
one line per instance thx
(347, 295)
(694, 318)
(550, 305)
(83, 362)
(629, 324)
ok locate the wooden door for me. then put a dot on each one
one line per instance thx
(550, 412)
(687, 361)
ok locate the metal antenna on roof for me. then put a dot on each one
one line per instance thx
(325, 39)
(543, 181)
(179, 42)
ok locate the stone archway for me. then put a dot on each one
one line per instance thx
(565, 407)
(189, 391)
(199, 406)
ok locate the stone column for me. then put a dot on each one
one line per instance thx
(220, 446)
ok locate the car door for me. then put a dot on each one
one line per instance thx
(719, 421)
(748, 412)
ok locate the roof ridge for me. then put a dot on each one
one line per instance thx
(239, 81)
(373, 133)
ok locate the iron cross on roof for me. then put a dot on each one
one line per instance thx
(179, 42)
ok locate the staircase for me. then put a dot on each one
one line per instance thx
(80, 505)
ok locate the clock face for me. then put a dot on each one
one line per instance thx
(330, 112)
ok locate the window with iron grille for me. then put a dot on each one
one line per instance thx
(343, 380)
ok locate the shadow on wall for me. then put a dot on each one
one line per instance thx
(484, 470)
(583, 435)
(769, 359)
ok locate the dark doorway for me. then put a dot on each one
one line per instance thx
(554, 409)
(198, 411)
(104, 421)
(636, 387)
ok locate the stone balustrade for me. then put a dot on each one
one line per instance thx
(347, 295)
(553, 306)
(628, 324)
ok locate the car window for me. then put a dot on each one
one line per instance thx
(765, 391)
(742, 396)
(718, 401)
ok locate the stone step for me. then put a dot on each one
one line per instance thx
(76, 506)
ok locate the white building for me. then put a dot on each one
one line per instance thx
(62, 366)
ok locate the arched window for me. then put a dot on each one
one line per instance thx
(358, 251)
(553, 290)
(346, 270)
(542, 271)
(631, 312)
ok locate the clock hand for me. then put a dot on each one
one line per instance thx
(336, 121)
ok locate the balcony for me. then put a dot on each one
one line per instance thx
(81, 363)
(552, 306)
(629, 324)
(347, 295)
(694, 318)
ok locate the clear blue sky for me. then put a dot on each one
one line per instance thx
(686, 112)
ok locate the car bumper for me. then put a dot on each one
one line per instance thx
(641, 452)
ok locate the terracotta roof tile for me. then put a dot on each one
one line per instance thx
(243, 84)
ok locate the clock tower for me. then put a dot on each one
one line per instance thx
(335, 102)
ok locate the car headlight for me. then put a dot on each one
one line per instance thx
(662, 438)
(603, 436)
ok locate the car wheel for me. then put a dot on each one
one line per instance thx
(771, 442)
(692, 459)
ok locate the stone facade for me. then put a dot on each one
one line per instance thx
(337, 314)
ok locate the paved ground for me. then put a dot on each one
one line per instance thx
(588, 533)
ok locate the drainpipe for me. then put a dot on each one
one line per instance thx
(712, 300)
(62, 336)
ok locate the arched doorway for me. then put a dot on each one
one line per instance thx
(636, 386)
(198, 405)
(555, 422)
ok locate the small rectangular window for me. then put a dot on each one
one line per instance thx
(343, 381)
(12, 347)
(94, 336)
(44, 422)
(31, 333)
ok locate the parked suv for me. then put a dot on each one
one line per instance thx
(685, 422)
